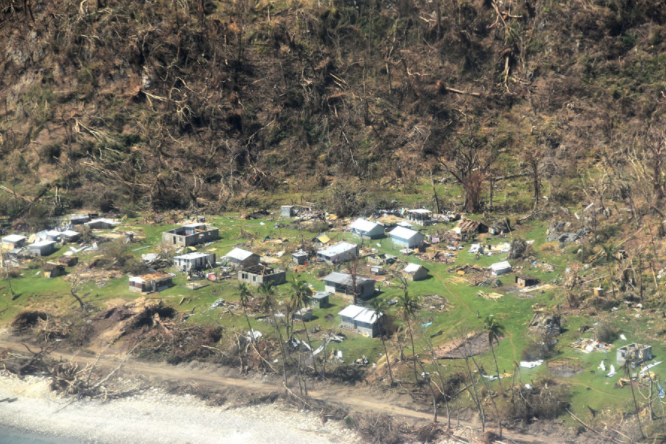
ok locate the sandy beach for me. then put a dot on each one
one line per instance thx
(156, 417)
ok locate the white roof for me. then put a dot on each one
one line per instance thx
(239, 254)
(195, 225)
(420, 211)
(403, 233)
(108, 221)
(53, 233)
(412, 268)
(351, 311)
(42, 243)
(13, 238)
(500, 266)
(360, 314)
(339, 248)
(195, 255)
(364, 225)
(70, 233)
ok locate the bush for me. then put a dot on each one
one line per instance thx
(537, 348)
(604, 332)
(51, 153)
(545, 400)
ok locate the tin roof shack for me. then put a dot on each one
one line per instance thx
(41, 248)
(102, 224)
(52, 270)
(342, 283)
(78, 219)
(241, 258)
(300, 257)
(149, 283)
(420, 216)
(194, 261)
(287, 211)
(523, 280)
(406, 237)
(635, 353)
(381, 259)
(320, 299)
(338, 253)
(415, 272)
(360, 319)
(70, 235)
(68, 261)
(500, 268)
(190, 234)
(261, 274)
(366, 229)
(13, 241)
(471, 226)
(321, 240)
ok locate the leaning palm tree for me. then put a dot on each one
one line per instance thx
(628, 374)
(494, 330)
(244, 295)
(408, 305)
(268, 306)
(380, 308)
(301, 299)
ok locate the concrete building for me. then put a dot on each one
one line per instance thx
(360, 319)
(320, 299)
(420, 216)
(366, 229)
(405, 237)
(42, 248)
(194, 261)
(523, 280)
(287, 211)
(13, 241)
(300, 257)
(342, 283)
(260, 275)
(635, 353)
(191, 234)
(415, 272)
(52, 270)
(500, 268)
(102, 224)
(241, 258)
(149, 283)
(338, 253)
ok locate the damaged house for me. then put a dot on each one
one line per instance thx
(523, 280)
(241, 258)
(261, 274)
(343, 283)
(52, 270)
(420, 216)
(194, 261)
(338, 253)
(102, 224)
(636, 353)
(471, 226)
(190, 234)
(13, 241)
(150, 283)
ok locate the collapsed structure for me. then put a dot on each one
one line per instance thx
(190, 234)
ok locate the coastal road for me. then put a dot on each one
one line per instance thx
(354, 398)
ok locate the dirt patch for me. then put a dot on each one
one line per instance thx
(434, 302)
(565, 368)
(474, 344)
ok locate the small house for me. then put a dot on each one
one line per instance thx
(42, 248)
(500, 268)
(321, 240)
(343, 283)
(68, 261)
(190, 234)
(194, 261)
(406, 237)
(471, 226)
(636, 353)
(241, 258)
(52, 270)
(420, 216)
(261, 274)
(320, 299)
(70, 235)
(360, 319)
(287, 211)
(300, 257)
(338, 253)
(13, 241)
(53, 235)
(415, 272)
(149, 283)
(102, 224)
(523, 280)
(366, 229)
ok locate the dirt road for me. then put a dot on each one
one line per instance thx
(358, 399)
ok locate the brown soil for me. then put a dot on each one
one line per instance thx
(477, 344)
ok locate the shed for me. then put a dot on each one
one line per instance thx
(261, 274)
(415, 272)
(366, 229)
(102, 224)
(68, 261)
(149, 283)
(52, 270)
(300, 257)
(343, 283)
(320, 299)
(194, 261)
(471, 226)
(360, 319)
(406, 237)
(338, 253)
(241, 258)
(13, 241)
(321, 240)
(287, 211)
(42, 248)
(78, 219)
(500, 268)
(523, 280)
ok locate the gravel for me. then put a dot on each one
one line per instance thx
(157, 417)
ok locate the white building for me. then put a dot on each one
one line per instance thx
(415, 272)
(194, 261)
(367, 229)
(500, 268)
(338, 253)
(406, 237)
(241, 258)
(102, 224)
(13, 241)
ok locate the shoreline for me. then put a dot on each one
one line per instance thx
(153, 416)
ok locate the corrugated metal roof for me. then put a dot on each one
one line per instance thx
(42, 243)
(412, 268)
(364, 225)
(351, 311)
(13, 238)
(500, 266)
(339, 248)
(403, 233)
(238, 254)
(420, 211)
(360, 314)
(195, 255)
(344, 278)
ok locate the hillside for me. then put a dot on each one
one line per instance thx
(136, 105)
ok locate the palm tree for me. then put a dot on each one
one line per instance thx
(408, 305)
(301, 299)
(494, 331)
(609, 253)
(268, 305)
(627, 373)
(380, 308)
(244, 295)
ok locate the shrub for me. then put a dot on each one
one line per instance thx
(546, 399)
(51, 152)
(540, 347)
(604, 332)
